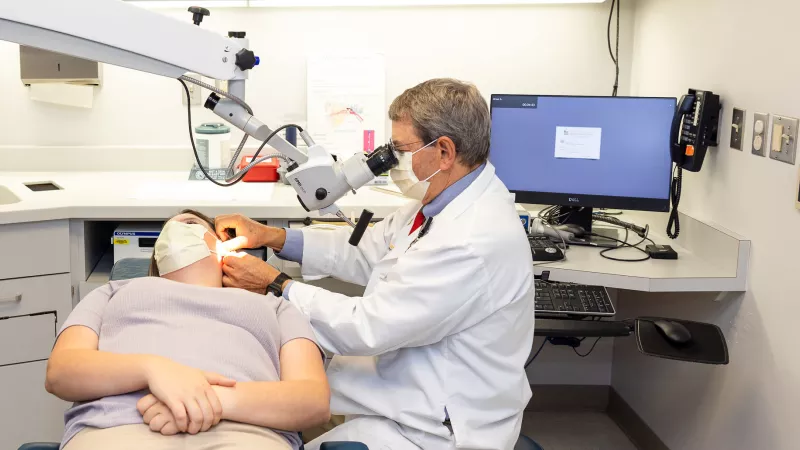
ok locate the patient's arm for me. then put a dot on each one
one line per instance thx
(77, 371)
(299, 401)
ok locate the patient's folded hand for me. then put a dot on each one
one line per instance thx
(187, 393)
(156, 414)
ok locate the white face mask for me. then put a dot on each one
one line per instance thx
(180, 245)
(405, 179)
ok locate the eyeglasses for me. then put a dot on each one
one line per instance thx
(395, 147)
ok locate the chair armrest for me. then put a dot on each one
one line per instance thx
(343, 446)
(40, 446)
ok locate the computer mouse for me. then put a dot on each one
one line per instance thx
(674, 332)
(577, 230)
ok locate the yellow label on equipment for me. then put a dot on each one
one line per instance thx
(118, 241)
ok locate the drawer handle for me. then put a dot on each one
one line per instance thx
(15, 299)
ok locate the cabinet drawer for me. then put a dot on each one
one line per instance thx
(26, 338)
(29, 413)
(23, 296)
(30, 249)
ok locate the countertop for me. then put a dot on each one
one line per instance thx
(156, 195)
(711, 258)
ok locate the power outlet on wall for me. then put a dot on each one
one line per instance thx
(760, 133)
(737, 128)
(195, 92)
(784, 139)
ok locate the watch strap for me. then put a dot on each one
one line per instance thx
(276, 287)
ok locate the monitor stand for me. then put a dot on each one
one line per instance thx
(582, 217)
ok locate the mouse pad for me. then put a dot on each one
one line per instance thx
(708, 344)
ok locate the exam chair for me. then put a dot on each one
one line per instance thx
(325, 446)
(126, 269)
(524, 443)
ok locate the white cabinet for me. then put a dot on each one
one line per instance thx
(28, 413)
(35, 298)
(33, 295)
(26, 339)
(31, 249)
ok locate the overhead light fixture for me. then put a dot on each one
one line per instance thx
(333, 3)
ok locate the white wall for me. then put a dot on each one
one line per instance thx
(555, 49)
(754, 402)
(509, 49)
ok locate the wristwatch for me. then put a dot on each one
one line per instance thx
(276, 287)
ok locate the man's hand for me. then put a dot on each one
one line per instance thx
(249, 233)
(187, 393)
(157, 415)
(244, 271)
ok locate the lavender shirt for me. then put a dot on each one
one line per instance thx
(233, 332)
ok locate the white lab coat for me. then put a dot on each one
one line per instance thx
(443, 325)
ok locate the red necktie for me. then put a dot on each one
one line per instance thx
(417, 222)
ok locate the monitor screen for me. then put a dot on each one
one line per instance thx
(604, 152)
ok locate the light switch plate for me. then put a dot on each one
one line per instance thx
(760, 140)
(737, 128)
(783, 145)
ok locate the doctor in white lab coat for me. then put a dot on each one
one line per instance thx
(432, 355)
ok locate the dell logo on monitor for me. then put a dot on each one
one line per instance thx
(574, 200)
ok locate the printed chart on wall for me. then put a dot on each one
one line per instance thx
(347, 102)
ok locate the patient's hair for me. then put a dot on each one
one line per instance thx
(153, 272)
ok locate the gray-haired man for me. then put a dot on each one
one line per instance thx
(432, 355)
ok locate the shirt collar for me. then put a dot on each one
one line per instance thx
(448, 195)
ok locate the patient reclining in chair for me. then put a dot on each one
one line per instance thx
(176, 361)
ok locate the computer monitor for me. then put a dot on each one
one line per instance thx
(595, 152)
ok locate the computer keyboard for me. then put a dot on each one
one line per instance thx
(543, 249)
(572, 299)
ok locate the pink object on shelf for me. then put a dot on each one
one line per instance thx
(369, 141)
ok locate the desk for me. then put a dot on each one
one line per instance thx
(711, 259)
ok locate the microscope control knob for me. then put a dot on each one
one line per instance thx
(198, 14)
(246, 59)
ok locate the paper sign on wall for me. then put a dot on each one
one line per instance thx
(347, 102)
(578, 142)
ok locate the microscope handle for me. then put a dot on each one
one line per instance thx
(361, 227)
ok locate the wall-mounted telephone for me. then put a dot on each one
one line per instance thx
(695, 127)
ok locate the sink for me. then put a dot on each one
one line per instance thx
(7, 197)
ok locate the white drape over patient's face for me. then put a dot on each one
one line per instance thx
(180, 245)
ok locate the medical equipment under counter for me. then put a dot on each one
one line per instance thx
(135, 240)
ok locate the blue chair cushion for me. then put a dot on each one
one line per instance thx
(128, 268)
(40, 446)
(343, 446)
(526, 443)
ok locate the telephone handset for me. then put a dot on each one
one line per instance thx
(695, 127)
